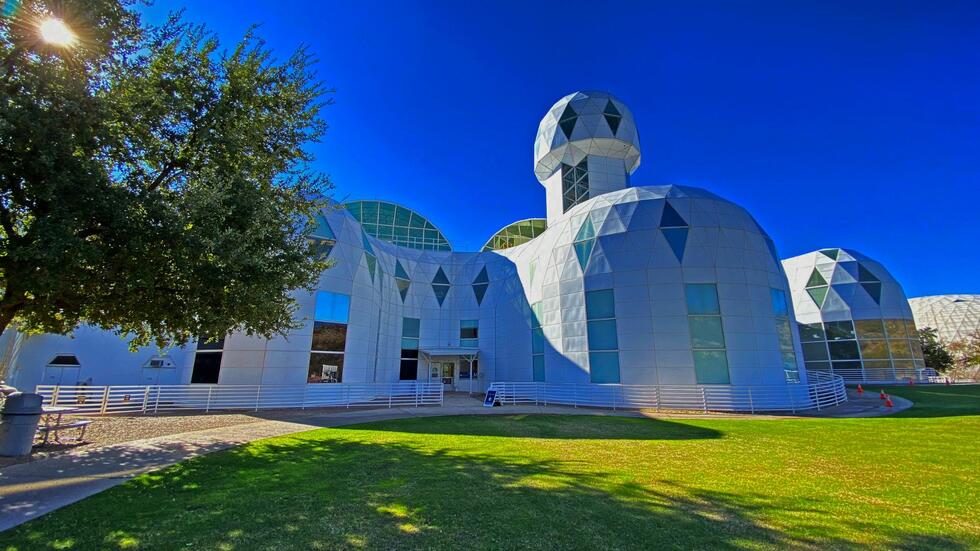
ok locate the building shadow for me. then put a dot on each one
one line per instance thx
(565, 427)
(373, 489)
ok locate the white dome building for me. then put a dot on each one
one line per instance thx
(624, 295)
(954, 317)
(854, 319)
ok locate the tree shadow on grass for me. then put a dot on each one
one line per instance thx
(385, 490)
(566, 427)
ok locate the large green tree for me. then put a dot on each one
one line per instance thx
(935, 353)
(150, 182)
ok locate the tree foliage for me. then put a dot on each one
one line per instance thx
(936, 355)
(150, 182)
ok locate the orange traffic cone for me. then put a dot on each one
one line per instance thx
(883, 396)
(860, 390)
(888, 402)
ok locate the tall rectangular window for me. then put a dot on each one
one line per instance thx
(329, 338)
(409, 368)
(537, 344)
(469, 333)
(707, 334)
(784, 330)
(207, 361)
(600, 312)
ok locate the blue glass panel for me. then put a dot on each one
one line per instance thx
(702, 298)
(537, 341)
(536, 314)
(583, 250)
(711, 367)
(602, 335)
(367, 244)
(440, 291)
(410, 327)
(469, 343)
(865, 274)
(873, 289)
(322, 229)
(537, 362)
(600, 304)
(677, 239)
(410, 344)
(440, 278)
(671, 218)
(706, 332)
(331, 307)
(372, 263)
(403, 285)
(604, 367)
(400, 271)
(779, 306)
(479, 291)
(482, 277)
(587, 231)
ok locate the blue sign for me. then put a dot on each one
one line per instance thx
(490, 399)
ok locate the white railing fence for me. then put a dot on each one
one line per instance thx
(884, 375)
(103, 400)
(823, 391)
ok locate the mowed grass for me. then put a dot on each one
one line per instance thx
(561, 482)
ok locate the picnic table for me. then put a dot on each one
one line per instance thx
(52, 423)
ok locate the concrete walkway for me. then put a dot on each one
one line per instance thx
(28, 490)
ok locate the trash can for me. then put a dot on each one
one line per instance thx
(18, 423)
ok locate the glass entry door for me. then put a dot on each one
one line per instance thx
(443, 371)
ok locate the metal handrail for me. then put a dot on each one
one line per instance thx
(823, 391)
(148, 399)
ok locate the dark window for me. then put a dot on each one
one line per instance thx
(409, 369)
(409, 353)
(811, 332)
(329, 336)
(206, 368)
(839, 330)
(325, 368)
(64, 359)
(843, 350)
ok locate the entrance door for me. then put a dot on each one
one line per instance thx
(447, 372)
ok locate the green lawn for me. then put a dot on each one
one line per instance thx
(561, 482)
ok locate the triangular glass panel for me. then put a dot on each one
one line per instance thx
(440, 291)
(403, 285)
(865, 275)
(612, 116)
(671, 218)
(583, 249)
(367, 244)
(440, 278)
(372, 263)
(400, 272)
(322, 229)
(479, 290)
(818, 294)
(322, 247)
(830, 253)
(677, 239)
(482, 277)
(611, 110)
(567, 121)
(816, 280)
(873, 289)
(586, 231)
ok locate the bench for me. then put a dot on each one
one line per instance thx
(47, 430)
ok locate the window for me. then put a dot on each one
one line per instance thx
(843, 350)
(815, 351)
(574, 184)
(64, 360)
(330, 318)
(895, 329)
(839, 330)
(600, 311)
(707, 335)
(584, 242)
(810, 332)
(207, 361)
(469, 333)
(440, 285)
(409, 368)
(784, 331)
(869, 329)
(537, 344)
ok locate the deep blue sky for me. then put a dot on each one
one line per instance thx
(850, 124)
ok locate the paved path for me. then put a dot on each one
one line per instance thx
(28, 490)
